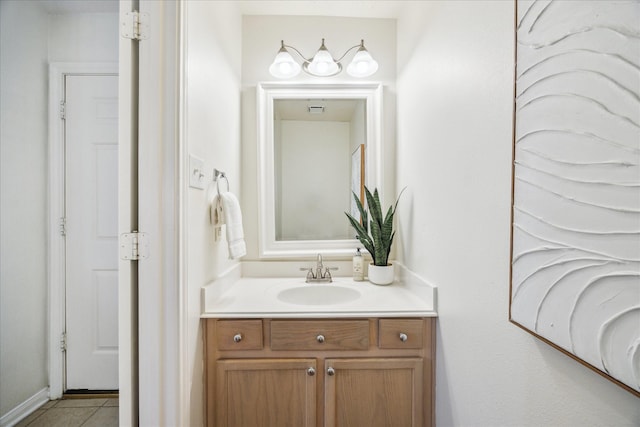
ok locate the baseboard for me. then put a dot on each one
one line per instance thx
(24, 409)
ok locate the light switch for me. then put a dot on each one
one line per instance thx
(197, 178)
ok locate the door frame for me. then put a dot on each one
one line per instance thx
(56, 258)
(153, 310)
(159, 394)
(164, 384)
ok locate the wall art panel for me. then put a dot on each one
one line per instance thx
(575, 273)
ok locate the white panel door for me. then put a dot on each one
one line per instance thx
(91, 164)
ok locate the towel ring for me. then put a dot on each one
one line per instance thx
(217, 176)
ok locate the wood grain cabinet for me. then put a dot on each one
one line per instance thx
(306, 373)
(263, 392)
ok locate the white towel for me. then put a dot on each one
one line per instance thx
(233, 218)
(215, 211)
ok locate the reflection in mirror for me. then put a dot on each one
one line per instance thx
(316, 144)
(313, 144)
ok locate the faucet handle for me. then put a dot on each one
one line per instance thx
(310, 275)
(327, 273)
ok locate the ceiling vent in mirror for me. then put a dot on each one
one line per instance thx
(322, 64)
(316, 109)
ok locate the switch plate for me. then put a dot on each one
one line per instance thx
(196, 173)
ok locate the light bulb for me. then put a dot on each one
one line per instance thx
(322, 67)
(284, 66)
(362, 65)
(323, 64)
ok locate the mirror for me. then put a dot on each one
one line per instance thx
(317, 144)
(313, 141)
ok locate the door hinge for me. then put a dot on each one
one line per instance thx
(135, 26)
(134, 246)
(63, 342)
(62, 223)
(63, 110)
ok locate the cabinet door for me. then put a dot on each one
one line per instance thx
(374, 392)
(266, 393)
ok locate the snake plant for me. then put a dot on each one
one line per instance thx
(375, 232)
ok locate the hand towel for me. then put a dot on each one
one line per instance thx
(233, 218)
(215, 211)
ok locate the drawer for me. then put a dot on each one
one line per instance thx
(401, 333)
(239, 334)
(319, 334)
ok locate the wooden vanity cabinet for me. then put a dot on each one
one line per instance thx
(338, 372)
(374, 392)
(263, 392)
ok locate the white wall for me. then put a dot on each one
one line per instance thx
(311, 189)
(455, 89)
(261, 37)
(212, 120)
(24, 142)
(23, 202)
(83, 37)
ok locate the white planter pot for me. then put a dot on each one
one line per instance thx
(381, 275)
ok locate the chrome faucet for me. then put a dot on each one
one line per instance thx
(319, 267)
(321, 273)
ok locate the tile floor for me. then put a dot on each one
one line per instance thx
(101, 412)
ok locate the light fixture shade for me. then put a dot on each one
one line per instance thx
(363, 64)
(284, 66)
(323, 64)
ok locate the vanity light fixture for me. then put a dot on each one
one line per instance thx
(322, 64)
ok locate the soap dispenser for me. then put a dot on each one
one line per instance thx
(358, 266)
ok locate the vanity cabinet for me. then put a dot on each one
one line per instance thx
(374, 392)
(320, 372)
(266, 392)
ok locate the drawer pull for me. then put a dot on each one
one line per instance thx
(330, 371)
(403, 337)
(237, 338)
(320, 338)
(311, 372)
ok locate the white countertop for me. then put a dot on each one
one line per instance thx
(258, 298)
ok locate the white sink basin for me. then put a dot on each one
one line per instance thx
(318, 295)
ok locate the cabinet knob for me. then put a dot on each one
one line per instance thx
(330, 371)
(403, 337)
(311, 372)
(320, 338)
(237, 338)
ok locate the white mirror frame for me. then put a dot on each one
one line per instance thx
(267, 93)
